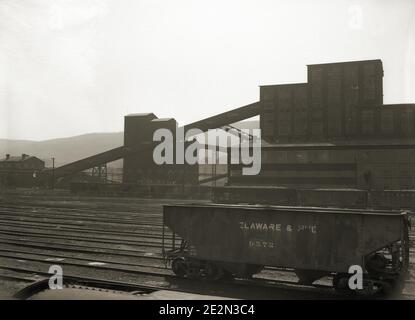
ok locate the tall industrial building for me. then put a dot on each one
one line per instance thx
(335, 131)
(140, 168)
(20, 171)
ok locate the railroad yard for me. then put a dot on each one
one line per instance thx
(119, 241)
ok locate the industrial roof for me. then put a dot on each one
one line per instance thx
(17, 159)
(345, 62)
(163, 119)
(284, 84)
(140, 114)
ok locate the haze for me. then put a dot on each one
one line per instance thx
(73, 67)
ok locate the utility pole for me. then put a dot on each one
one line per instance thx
(53, 173)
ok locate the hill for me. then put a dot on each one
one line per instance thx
(66, 150)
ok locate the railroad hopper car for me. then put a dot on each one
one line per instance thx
(220, 240)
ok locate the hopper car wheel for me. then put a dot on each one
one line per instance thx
(193, 272)
(227, 275)
(179, 267)
(213, 272)
(393, 288)
(341, 284)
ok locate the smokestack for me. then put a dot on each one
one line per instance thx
(24, 156)
(7, 156)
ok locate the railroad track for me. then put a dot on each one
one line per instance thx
(155, 282)
(107, 240)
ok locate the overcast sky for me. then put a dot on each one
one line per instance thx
(74, 67)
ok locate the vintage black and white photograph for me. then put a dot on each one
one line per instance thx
(221, 150)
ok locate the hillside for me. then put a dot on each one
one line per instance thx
(64, 150)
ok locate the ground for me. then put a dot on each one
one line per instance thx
(119, 240)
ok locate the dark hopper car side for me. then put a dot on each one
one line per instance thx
(237, 240)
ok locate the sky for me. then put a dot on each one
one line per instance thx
(70, 67)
